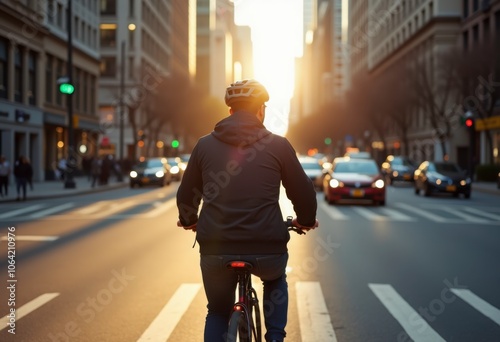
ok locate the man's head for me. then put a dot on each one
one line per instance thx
(247, 95)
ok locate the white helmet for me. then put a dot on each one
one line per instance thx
(246, 90)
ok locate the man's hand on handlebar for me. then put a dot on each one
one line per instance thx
(191, 227)
(295, 223)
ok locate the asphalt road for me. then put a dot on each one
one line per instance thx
(114, 267)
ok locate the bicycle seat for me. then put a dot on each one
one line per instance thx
(238, 264)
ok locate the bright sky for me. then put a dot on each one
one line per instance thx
(277, 40)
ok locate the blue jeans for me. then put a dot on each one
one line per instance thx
(220, 287)
(21, 186)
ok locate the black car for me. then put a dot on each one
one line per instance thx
(153, 171)
(398, 168)
(442, 177)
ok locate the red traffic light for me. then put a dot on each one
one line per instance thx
(469, 122)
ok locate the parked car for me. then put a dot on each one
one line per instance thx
(442, 177)
(177, 167)
(354, 179)
(152, 171)
(313, 170)
(398, 168)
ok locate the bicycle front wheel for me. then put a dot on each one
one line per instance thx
(239, 328)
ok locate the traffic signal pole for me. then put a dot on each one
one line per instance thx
(69, 182)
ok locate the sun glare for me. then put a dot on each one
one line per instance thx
(277, 40)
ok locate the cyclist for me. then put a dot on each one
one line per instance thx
(237, 170)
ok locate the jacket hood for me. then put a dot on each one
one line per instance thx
(240, 129)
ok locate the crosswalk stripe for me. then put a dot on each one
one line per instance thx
(28, 307)
(479, 304)
(482, 213)
(163, 325)
(370, 215)
(333, 212)
(314, 319)
(162, 207)
(115, 208)
(414, 325)
(462, 215)
(397, 216)
(52, 210)
(21, 211)
(91, 209)
(420, 212)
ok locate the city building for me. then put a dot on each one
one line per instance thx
(33, 57)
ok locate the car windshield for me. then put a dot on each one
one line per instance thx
(356, 167)
(311, 166)
(402, 161)
(150, 163)
(446, 167)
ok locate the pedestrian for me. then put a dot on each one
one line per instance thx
(23, 173)
(95, 170)
(62, 166)
(238, 171)
(4, 176)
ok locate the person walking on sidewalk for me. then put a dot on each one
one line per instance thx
(4, 176)
(23, 173)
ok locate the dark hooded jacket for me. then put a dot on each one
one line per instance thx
(238, 170)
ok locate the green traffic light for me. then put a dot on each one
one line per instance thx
(328, 141)
(66, 88)
(175, 143)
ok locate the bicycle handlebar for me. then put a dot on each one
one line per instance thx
(291, 227)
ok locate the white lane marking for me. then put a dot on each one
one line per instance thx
(115, 208)
(314, 319)
(414, 325)
(161, 207)
(396, 215)
(33, 238)
(163, 325)
(21, 211)
(482, 213)
(333, 212)
(479, 304)
(421, 212)
(52, 210)
(92, 208)
(368, 214)
(28, 307)
(464, 216)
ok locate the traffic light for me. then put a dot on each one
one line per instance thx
(175, 143)
(469, 123)
(65, 87)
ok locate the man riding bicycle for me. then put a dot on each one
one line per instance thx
(238, 170)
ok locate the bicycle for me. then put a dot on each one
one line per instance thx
(245, 319)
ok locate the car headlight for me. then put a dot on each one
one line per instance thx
(379, 184)
(335, 184)
(159, 174)
(133, 174)
(174, 170)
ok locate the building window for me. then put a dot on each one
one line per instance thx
(108, 35)
(108, 66)
(466, 8)
(4, 68)
(18, 75)
(32, 80)
(92, 94)
(85, 93)
(77, 84)
(131, 5)
(475, 5)
(475, 34)
(59, 73)
(49, 79)
(465, 40)
(108, 7)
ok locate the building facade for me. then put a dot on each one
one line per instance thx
(33, 56)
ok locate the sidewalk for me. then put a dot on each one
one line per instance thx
(55, 188)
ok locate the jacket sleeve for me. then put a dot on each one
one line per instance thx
(299, 187)
(190, 191)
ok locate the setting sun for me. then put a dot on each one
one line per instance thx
(277, 41)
